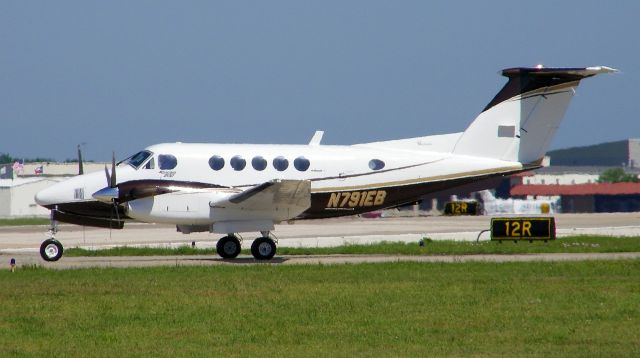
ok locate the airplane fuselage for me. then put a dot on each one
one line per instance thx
(344, 180)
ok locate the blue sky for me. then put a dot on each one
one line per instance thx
(122, 75)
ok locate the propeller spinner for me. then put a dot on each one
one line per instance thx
(110, 193)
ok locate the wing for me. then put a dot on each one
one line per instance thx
(274, 195)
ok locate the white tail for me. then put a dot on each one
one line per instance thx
(519, 123)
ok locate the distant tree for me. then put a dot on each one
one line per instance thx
(617, 175)
(5, 158)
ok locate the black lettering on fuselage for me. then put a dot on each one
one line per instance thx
(352, 199)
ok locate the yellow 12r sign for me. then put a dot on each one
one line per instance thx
(527, 228)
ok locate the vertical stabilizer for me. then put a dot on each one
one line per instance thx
(520, 121)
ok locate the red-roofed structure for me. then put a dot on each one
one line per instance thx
(577, 189)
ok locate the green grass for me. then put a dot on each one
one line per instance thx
(567, 244)
(398, 309)
(24, 221)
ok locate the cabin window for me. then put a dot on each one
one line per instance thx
(301, 163)
(259, 163)
(167, 161)
(216, 162)
(376, 164)
(280, 163)
(238, 163)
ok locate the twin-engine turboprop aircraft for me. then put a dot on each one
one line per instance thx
(233, 188)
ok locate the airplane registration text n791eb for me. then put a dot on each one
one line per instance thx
(353, 199)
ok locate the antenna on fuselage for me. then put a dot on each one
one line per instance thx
(317, 138)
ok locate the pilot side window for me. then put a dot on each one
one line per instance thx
(259, 163)
(280, 163)
(238, 163)
(167, 161)
(216, 162)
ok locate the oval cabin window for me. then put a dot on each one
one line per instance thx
(301, 164)
(376, 164)
(216, 162)
(238, 163)
(259, 163)
(280, 163)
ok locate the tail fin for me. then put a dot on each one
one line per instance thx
(520, 121)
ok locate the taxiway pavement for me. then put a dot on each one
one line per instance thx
(23, 242)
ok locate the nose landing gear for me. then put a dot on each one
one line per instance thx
(51, 249)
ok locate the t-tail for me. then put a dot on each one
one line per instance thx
(520, 121)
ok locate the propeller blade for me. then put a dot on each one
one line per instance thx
(113, 183)
(80, 165)
(106, 173)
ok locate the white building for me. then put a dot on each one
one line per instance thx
(18, 191)
(17, 196)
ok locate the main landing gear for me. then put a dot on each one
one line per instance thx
(262, 248)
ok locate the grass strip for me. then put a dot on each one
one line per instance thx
(398, 309)
(574, 244)
(24, 221)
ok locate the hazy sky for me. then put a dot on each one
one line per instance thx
(122, 75)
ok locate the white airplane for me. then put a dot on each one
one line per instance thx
(233, 188)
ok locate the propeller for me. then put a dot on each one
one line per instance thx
(110, 193)
(80, 165)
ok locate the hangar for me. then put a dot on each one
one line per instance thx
(16, 196)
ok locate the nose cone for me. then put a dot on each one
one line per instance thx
(63, 192)
(49, 196)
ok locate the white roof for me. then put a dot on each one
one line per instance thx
(9, 183)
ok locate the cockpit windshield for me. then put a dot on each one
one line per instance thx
(138, 159)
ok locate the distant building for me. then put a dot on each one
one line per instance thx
(587, 198)
(624, 153)
(17, 196)
(18, 189)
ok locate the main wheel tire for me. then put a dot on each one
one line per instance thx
(51, 250)
(228, 247)
(263, 248)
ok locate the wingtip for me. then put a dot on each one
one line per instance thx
(602, 69)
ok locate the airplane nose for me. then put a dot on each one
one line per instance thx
(46, 197)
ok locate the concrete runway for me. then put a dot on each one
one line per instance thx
(23, 242)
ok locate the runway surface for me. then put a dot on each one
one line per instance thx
(22, 243)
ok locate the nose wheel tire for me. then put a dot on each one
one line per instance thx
(263, 248)
(228, 247)
(51, 250)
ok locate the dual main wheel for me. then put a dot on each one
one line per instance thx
(228, 247)
(263, 248)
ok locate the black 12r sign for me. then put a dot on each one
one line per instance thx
(537, 228)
